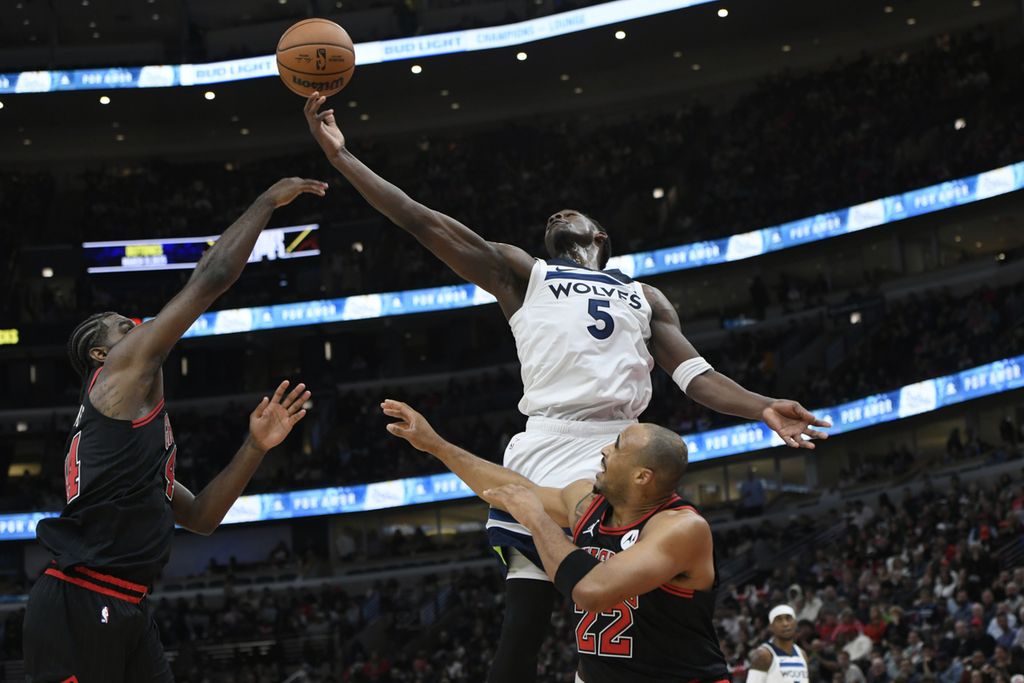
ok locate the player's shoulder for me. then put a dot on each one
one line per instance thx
(761, 658)
(680, 522)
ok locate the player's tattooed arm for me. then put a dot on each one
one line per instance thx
(501, 269)
(582, 492)
(760, 659)
(135, 360)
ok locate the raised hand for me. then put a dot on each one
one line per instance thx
(792, 422)
(322, 125)
(284, 191)
(411, 426)
(274, 417)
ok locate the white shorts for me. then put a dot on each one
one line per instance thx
(549, 453)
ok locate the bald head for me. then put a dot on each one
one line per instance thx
(660, 450)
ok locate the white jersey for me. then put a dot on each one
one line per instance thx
(582, 340)
(787, 668)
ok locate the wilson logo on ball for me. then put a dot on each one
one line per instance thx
(318, 85)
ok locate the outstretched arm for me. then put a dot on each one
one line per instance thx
(501, 269)
(671, 350)
(673, 543)
(479, 474)
(269, 424)
(135, 360)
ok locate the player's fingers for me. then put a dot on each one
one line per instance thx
(293, 395)
(310, 102)
(294, 419)
(820, 423)
(280, 391)
(815, 434)
(298, 403)
(261, 407)
(324, 114)
(398, 428)
(791, 441)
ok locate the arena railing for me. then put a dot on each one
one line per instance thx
(908, 401)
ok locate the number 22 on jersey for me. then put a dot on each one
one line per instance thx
(610, 641)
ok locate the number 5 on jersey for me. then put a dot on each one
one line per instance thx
(605, 324)
(72, 469)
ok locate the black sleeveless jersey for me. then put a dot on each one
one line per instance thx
(664, 636)
(119, 481)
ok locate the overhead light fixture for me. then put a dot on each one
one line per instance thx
(26, 142)
(244, 131)
(695, 67)
(787, 47)
(960, 124)
(658, 192)
(975, 3)
(723, 13)
(364, 117)
(47, 271)
(209, 94)
(104, 99)
(521, 56)
(578, 90)
(620, 35)
(563, 77)
(888, 9)
(456, 105)
(156, 17)
(352, 104)
(119, 137)
(416, 69)
(444, 93)
(911, 21)
(677, 54)
(95, 34)
(1, 105)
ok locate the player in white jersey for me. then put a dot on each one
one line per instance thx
(780, 660)
(587, 340)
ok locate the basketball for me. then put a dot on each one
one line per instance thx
(315, 54)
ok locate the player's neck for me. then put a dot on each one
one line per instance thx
(630, 512)
(584, 256)
(784, 645)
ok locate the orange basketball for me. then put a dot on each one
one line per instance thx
(315, 54)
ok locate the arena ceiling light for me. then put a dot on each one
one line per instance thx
(723, 13)
(416, 69)
(209, 94)
(620, 35)
(521, 56)
(104, 99)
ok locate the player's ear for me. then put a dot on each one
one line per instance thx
(98, 354)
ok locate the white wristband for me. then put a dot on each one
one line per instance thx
(756, 676)
(689, 369)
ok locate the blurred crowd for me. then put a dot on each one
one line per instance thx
(854, 131)
(344, 440)
(912, 587)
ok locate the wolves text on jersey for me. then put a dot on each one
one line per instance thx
(568, 289)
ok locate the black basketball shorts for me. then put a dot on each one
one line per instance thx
(82, 626)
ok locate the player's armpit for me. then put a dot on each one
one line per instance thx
(672, 543)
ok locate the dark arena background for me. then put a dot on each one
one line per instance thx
(828, 193)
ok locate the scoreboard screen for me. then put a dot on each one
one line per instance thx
(173, 253)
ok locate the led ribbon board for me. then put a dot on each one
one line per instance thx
(376, 52)
(184, 252)
(913, 399)
(725, 250)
